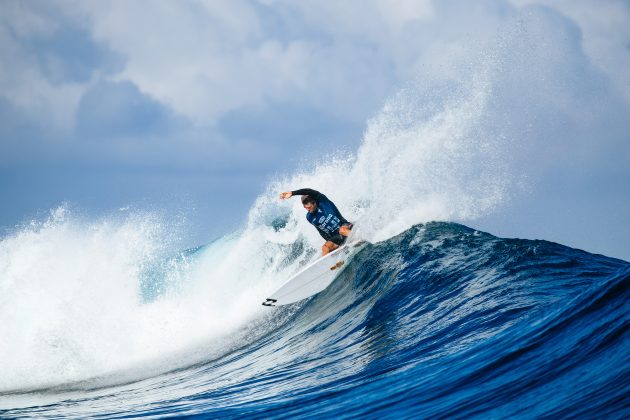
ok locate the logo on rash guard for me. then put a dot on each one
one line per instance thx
(325, 218)
(329, 225)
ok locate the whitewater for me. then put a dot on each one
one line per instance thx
(109, 316)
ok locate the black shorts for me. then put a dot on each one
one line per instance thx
(338, 238)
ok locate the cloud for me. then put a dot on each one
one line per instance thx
(204, 59)
(558, 100)
(15, 124)
(110, 110)
(605, 34)
(48, 60)
(293, 121)
(207, 58)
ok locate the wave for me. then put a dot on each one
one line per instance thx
(440, 320)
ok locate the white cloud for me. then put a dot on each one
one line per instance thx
(23, 27)
(605, 27)
(205, 58)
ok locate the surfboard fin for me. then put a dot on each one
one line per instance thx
(269, 302)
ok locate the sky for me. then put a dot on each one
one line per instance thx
(191, 108)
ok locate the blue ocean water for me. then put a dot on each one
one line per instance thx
(440, 321)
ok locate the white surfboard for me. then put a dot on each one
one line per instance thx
(315, 277)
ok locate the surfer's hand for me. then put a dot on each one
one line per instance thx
(285, 195)
(344, 230)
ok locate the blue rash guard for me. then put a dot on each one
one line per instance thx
(327, 219)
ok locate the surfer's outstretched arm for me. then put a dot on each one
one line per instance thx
(302, 191)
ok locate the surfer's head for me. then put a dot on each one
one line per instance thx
(309, 203)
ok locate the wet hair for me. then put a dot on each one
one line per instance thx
(307, 199)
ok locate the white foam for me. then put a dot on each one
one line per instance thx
(72, 305)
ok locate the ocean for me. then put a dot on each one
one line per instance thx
(439, 321)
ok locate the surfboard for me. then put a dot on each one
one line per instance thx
(315, 277)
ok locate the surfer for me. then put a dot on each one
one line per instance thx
(323, 214)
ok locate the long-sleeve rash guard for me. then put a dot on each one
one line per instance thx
(327, 219)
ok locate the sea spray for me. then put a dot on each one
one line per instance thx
(81, 299)
(416, 163)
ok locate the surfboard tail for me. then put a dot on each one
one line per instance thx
(315, 277)
(269, 302)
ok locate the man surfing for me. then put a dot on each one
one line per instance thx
(323, 214)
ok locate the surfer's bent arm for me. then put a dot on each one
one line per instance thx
(302, 191)
(307, 191)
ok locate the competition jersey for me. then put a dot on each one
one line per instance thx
(327, 219)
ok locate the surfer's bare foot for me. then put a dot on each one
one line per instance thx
(329, 246)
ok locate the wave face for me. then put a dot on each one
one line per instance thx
(438, 321)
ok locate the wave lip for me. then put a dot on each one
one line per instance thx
(441, 320)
